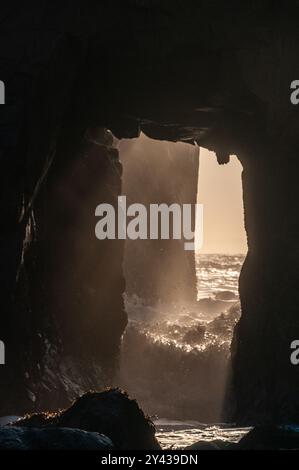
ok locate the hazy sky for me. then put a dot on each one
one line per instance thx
(220, 192)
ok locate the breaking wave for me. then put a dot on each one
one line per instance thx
(175, 359)
(178, 369)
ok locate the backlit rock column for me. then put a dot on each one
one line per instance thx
(158, 172)
(74, 281)
(85, 274)
(266, 383)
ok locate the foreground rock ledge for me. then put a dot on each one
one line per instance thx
(108, 419)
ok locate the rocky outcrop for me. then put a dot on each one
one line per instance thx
(110, 413)
(17, 438)
(69, 286)
(269, 322)
(216, 444)
(270, 437)
(44, 360)
(81, 278)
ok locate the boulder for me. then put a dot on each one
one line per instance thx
(110, 412)
(216, 444)
(271, 437)
(8, 419)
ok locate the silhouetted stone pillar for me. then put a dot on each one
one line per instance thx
(266, 384)
(64, 311)
(83, 275)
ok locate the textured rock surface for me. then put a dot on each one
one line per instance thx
(270, 437)
(81, 277)
(216, 444)
(215, 72)
(110, 413)
(17, 438)
(266, 383)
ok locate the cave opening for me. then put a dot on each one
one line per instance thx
(182, 306)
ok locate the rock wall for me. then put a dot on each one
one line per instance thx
(68, 300)
(51, 267)
(268, 290)
(80, 282)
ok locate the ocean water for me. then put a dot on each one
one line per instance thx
(180, 434)
(217, 273)
(175, 358)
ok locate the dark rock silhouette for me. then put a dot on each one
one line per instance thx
(110, 413)
(216, 444)
(22, 438)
